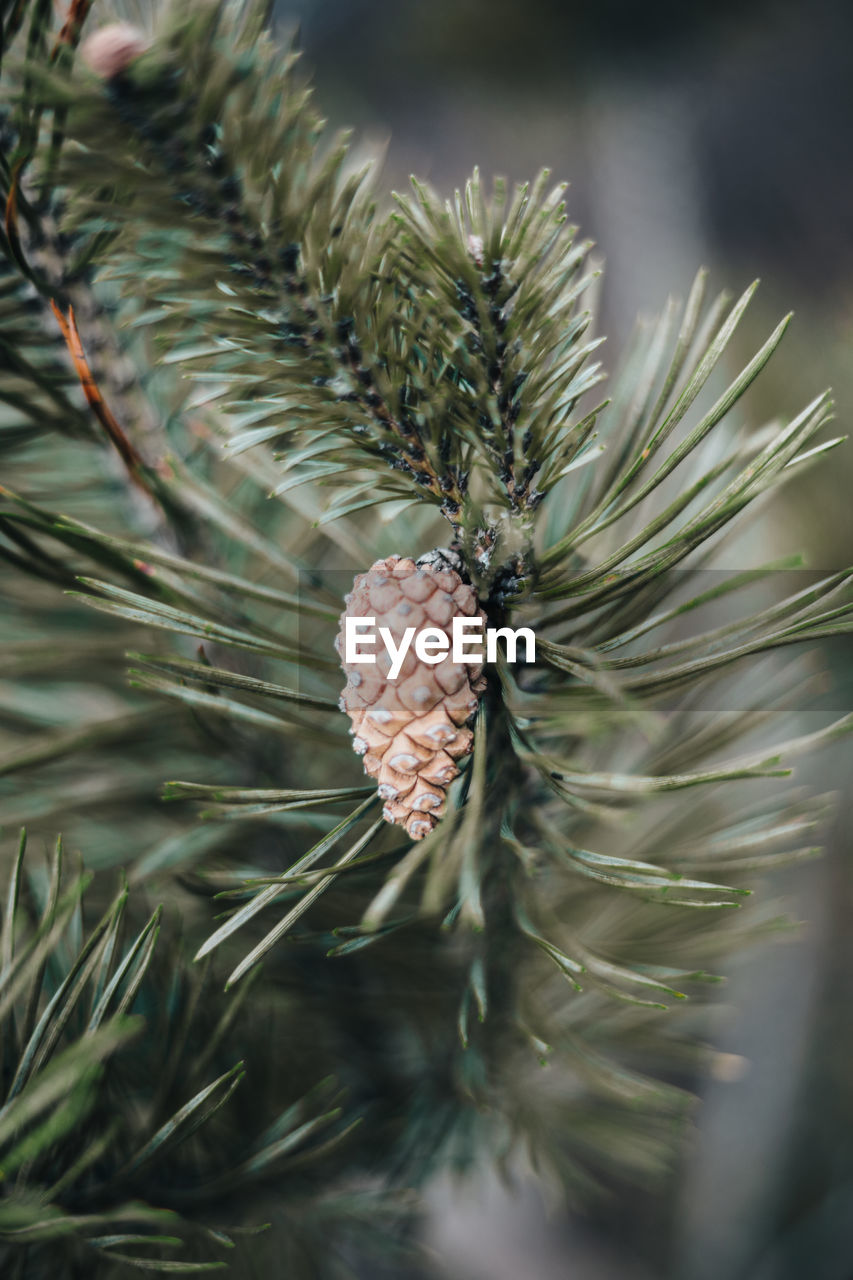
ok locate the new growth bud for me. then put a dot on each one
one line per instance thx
(112, 49)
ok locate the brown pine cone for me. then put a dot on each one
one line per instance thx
(411, 730)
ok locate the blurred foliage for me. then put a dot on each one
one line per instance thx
(125, 1144)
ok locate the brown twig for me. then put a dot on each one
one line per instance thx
(78, 12)
(10, 213)
(129, 455)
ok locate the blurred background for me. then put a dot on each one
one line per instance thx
(716, 133)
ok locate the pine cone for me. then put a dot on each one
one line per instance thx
(411, 730)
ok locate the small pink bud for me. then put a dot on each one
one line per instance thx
(475, 248)
(112, 49)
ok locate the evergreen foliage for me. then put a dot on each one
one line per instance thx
(95, 1160)
(230, 381)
